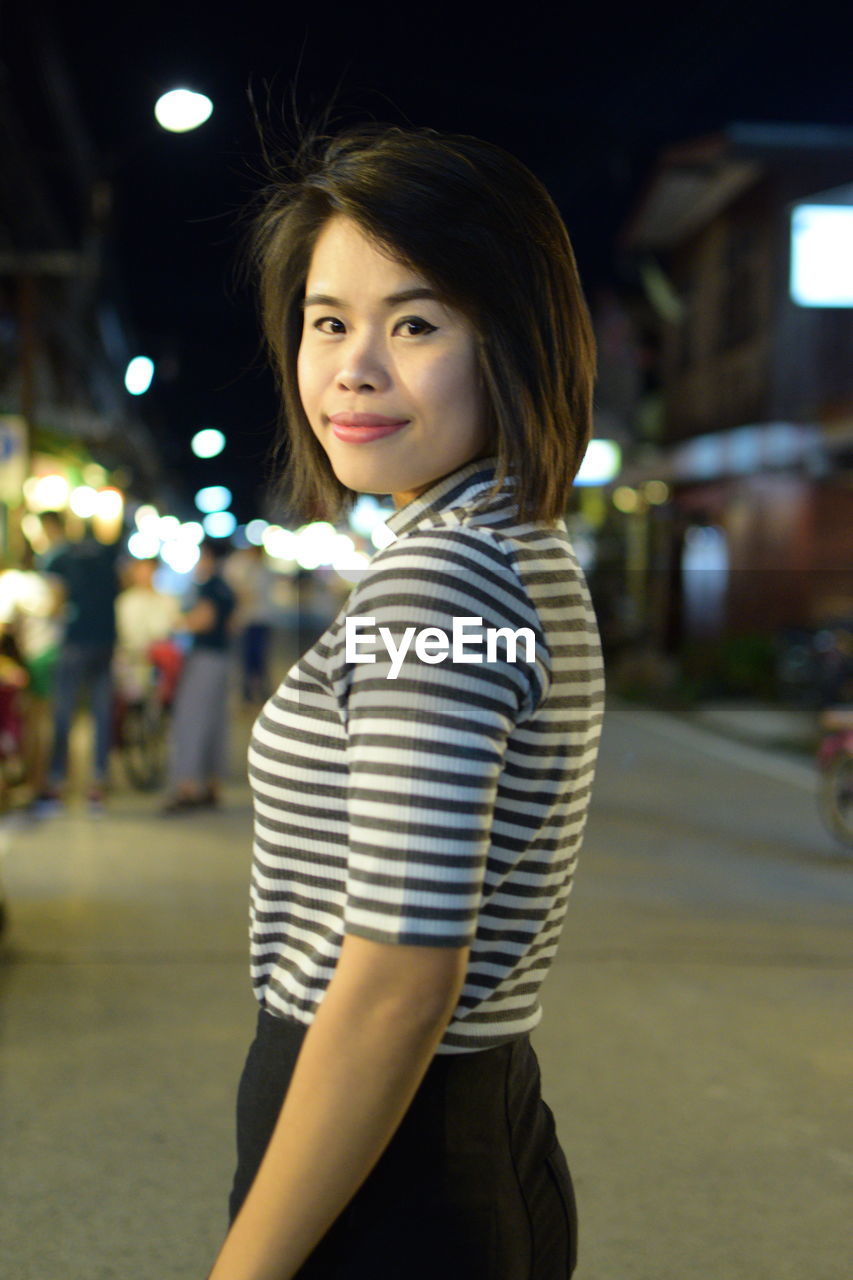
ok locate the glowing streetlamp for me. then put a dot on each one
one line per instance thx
(84, 501)
(214, 497)
(137, 378)
(208, 443)
(220, 524)
(255, 531)
(181, 110)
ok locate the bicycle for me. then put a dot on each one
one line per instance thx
(835, 761)
(142, 728)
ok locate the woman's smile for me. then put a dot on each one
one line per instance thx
(362, 428)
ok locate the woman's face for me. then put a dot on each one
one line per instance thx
(388, 375)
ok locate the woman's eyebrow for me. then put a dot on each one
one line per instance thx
(410, 295)
(393, 300)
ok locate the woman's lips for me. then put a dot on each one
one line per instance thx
(361, 428)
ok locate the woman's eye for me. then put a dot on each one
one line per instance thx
(326, 324)
(416, 326)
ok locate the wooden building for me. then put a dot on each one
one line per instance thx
(755, 438)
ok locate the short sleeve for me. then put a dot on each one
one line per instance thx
(55, 563)
(459, 660)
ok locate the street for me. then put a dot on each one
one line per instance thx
(695, 1045)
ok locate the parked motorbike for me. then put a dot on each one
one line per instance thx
(835, 761)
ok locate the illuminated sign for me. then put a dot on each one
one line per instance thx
(822, 255)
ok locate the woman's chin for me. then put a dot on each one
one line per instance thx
(363, 475)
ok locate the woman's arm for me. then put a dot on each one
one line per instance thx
(361, 1062)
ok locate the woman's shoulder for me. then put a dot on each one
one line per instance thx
(524, 554)
(442, 542)
(433, 576)
(463, 556)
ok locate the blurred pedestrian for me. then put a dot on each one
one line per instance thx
(198, 745)
(53, 535)
(144, 616)
(250, 577)
(86, 574)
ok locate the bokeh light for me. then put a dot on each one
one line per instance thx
(220, 524)
(167, 528)
(139, 375)
(84, 501)
(255, 531)
(180, 554)
(207, 443)
(381, 536)
(143, 546)
(280, 543)
(315, 544)
(47, 493)
(146, 517)
(215, 497)
(181, 110)
(626, 499)
(109, 504)
(601, 463)
(656, 492)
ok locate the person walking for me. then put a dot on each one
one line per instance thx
(198, 744)
(86, 577)
(422, 775)
(250, 577)
(144, 615)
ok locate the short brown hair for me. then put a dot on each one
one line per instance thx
(486, 235)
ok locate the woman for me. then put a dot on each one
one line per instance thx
(419, 803)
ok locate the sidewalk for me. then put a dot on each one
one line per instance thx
(693, 1045)
(760, 724)
(126, 1013)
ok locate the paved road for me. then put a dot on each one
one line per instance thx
(694, 1047)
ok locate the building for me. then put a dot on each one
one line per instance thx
(64, 343)
(753, 433)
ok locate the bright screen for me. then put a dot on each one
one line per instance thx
(822, 255)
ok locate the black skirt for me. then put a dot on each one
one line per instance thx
(473, 1185)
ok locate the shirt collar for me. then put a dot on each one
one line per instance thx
(458, 489)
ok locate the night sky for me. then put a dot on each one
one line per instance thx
(584, 94)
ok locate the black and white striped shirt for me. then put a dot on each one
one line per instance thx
(427, 799)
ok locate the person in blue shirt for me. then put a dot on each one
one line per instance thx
(86, 576)
(198, 747)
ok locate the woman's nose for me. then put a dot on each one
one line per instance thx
(363, 367)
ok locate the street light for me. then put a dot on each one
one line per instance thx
(214, 497)
(181, 110)
(255, 531)
(137, 378)
(220, 524)
(207, 443)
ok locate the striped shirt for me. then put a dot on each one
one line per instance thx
(430, 796)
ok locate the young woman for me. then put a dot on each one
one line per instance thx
(421, 777)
